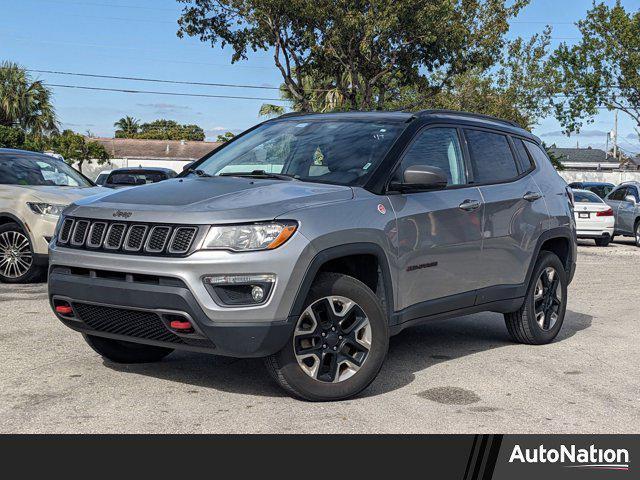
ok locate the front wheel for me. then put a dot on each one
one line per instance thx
(339, 342)
(540, 318)
(119, 351)
(16, 256)
(637, 233)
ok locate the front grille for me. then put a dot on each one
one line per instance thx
(129, 237)
(122, 321)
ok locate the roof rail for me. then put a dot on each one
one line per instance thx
(294, 114)
(468, 114)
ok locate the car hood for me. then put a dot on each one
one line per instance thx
(60, 195)
(209, 199)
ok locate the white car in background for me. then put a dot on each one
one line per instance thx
(594, 218)
(34, 189)
(102, 177)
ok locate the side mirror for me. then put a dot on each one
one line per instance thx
(631, 199)
(187, 166)
(421, 177)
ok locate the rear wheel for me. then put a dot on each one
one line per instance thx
(540, 318)
(637, 233)
(119, 351)
(603, 242)
(339, 342)
(16, 256)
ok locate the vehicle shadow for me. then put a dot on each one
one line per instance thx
(410, 352)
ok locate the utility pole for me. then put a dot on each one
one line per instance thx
(615, 135)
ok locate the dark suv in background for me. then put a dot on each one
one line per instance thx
(310, 239)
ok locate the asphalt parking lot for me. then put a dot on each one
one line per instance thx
(454, 376)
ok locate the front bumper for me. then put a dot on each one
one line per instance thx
(154, 285)
(150, 303)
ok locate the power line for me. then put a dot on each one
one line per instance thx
(155, 80)
(176, 94)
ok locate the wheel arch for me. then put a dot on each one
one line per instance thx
(560, 241)
(341, 259)
(10, 218)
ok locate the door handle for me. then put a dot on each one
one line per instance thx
(532, 196)
(469, 205)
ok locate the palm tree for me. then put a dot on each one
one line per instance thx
(127, 125)
(25, 103)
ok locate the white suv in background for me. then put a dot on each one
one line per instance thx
(34, 189)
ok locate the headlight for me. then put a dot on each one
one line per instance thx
(241, 238)
(46, 208)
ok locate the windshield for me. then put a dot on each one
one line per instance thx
(31, 169)
(586, 197)
(335, 151)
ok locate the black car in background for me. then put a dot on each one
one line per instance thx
(130, 177)
(602, 189)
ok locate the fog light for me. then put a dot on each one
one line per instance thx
(257, 293)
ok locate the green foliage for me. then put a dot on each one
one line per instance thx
(555, 159)
(602, 69)
(225, 137)
(14, 137)
(127, 126)
(270, 110)
(158, 130)
(25, 103)
(357, 53)
(77, 149)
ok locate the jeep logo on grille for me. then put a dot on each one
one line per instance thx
(122, 214)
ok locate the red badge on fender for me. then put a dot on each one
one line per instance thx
(381, 209)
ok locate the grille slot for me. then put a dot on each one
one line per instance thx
(182, 239)
(96, 234)
(79, 232)
(65, 231)
(135, 238)
(115, 234)
(122, 321)
(157, 239)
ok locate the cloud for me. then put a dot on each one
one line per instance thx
(218, 129)
(163, 107)
(632, 136)
(582, 134)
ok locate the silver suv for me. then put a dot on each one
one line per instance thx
(311, 239)
(625, 202)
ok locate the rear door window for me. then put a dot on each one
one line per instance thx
(618, 194)
(492, 160)
(522, 156)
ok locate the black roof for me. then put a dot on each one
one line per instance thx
(585, 155)
(404, 116)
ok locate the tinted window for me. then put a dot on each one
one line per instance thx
(343, 152)
(587, 197)
(537, 153)
(522, 157)
(618, 194)
(437, 147)
(600, 190)
(491, 157)
(632, 191)
(17, 169)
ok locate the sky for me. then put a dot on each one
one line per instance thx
(138, 39)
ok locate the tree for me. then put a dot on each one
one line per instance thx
(127, 126)
(360, 50)
(25, 103)
(225, 138)
(270, 110)
(602, 70)
(76, 148)
(163, 130)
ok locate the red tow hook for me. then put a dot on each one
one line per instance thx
(181, 326)
(64, 310)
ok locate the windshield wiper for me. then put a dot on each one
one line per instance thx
(259, 174)
(198, 172)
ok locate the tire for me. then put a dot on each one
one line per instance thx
(17, 262)
(523, 325)
(636, 230)
(327, 297)
(119, 351)
(603, 242)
